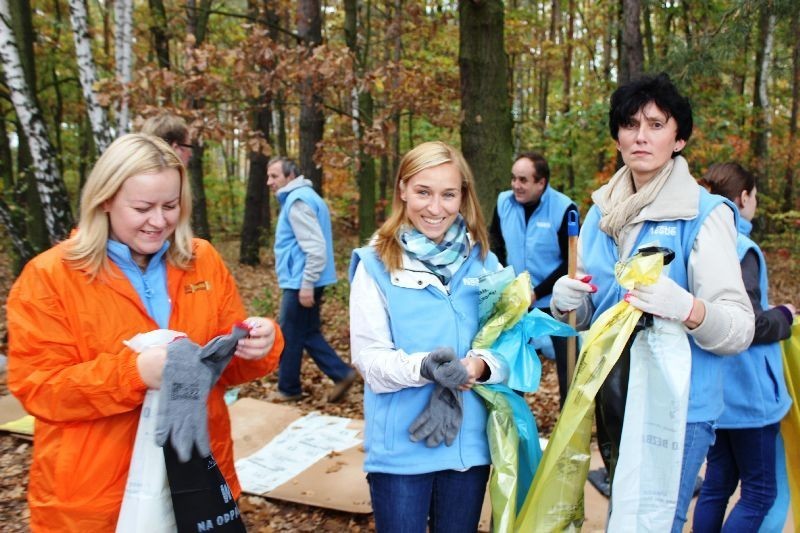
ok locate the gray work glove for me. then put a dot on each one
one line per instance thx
(182, 416)
(189, 375)
(443, 367)
(218, 352)
(441, 419)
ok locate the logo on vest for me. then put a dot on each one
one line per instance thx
(663, 229)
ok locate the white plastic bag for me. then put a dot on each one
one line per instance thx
(147, 502)
(648, 474)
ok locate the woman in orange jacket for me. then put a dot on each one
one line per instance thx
(132, 267)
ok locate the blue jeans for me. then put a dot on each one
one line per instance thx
(699, 437)
(452, 500)
(301, 329)
(746, 454)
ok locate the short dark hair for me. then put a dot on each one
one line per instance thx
(728, 180)
(633, 96)
(288, 166)
(539, 164)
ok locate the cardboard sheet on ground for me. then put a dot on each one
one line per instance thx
(335, 480)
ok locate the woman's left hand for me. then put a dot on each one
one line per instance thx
(475, 367)
(259, 342)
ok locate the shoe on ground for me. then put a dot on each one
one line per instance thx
(599, 480)
(280, 397)
(340, 388)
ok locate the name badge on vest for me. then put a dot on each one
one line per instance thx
(669, 230)
(543, 224)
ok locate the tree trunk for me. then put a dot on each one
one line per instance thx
(123, 39)
(16, 233)
(52, 192)
(312, 121)
(160, 33)
(87, 74)
(486, 127)
(788, 184)
(197, 21)
(6, 157)
(632, 57)
(567, 66)
(761, 114)
(363, 109)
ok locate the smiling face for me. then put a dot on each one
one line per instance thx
(647, 142)
(145, 211)
(526, 185)
(432, 199)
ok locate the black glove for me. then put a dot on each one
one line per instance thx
(443, 367)
(441, 419)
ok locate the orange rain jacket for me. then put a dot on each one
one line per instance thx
(70, 370)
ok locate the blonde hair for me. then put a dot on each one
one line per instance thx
(129, 155)
(419, 158)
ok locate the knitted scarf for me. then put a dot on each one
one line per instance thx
(622, 203)
(443, 258)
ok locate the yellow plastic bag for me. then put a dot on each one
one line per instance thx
(790, 425)
(555, 501)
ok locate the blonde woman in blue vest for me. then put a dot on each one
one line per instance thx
(756, 398)
(654, 200)
(413, 314)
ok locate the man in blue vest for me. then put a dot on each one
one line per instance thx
(529, 232)
(304, 263)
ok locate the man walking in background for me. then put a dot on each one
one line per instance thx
(304, 264)
(529, 232)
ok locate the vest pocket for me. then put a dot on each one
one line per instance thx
(772, 380)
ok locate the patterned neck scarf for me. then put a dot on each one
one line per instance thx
(443, 258)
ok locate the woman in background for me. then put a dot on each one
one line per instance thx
(755, 392)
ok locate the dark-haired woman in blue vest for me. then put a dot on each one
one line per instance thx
(653, 200)
(756, 398)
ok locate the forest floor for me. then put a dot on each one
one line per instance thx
(259, 291)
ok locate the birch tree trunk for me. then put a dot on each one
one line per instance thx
(761, 113)
(49, 184)
(123, 38)
(87, 74)
(791, 159)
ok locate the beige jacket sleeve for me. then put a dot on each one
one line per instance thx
(715, 277)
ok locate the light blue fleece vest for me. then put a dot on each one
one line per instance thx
(150, 285)
(755, 390)
(421, 320)
(532, 244)
(599, 254)
(290, 260)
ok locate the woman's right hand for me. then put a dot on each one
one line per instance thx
(568, 293)
(150, 365)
